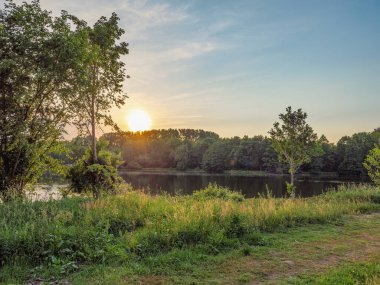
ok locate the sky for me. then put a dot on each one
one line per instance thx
(232, 66)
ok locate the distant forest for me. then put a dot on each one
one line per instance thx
(185, 149)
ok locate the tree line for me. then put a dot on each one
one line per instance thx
(185, 149)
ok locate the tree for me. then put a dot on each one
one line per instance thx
(215, 158)
(183, 155)
(372, 164)
(199, 149)
(352, 152)
(101, 79)
(294, 141)
(327, 162)
(270, 159)
(38, 57)
(100, 82)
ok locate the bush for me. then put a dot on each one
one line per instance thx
(93, 177)
(102, 176)
(213, 191)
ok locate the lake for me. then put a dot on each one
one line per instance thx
(250, 186)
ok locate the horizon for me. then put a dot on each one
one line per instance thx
(232, 68)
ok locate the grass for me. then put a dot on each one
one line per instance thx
(348, 274)
(132, 236)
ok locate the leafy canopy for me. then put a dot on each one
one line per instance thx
(100, 81)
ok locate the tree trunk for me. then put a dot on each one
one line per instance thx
(93, 134)
(292, 177)
(95, 190)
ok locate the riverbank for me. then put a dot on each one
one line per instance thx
(142, 239)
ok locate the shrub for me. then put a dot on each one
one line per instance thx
(86, 176)
(213, 191)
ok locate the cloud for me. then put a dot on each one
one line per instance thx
(140, 17)
(189, 50)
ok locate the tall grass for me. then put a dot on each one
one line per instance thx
(72, 231)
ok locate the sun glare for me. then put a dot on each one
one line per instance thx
(139, 120)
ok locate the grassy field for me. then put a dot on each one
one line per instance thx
(212, 237)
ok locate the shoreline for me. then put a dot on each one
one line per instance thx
(238, 173)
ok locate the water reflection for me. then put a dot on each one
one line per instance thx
(249, 186)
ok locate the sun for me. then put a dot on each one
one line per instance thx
(138, 120)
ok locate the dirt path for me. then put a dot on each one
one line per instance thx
(355, 243)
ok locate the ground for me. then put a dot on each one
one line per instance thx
(312, 254)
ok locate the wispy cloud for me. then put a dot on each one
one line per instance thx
(158, 32)
(190, 50)
(142, 16)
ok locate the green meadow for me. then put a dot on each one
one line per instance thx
(215, 236)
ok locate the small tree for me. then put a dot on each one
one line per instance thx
(294, 141)
(372, 164)
(100, 82)
(99, 85)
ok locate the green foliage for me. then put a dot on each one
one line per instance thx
(99, 87)
(183, 156)
(102, 176)
(290, 189)
(100, 81)
(328, 161)
(372, 164)
(215, 158)
(213, 191)
(39, 55)
(172, 148)
(188, 149)
(352, 151)
(294, 141)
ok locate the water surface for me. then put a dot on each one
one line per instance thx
(183, 183)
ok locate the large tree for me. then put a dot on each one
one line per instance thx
(294, 141)
(38, 57)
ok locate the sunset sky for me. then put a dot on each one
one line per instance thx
(233, 66)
